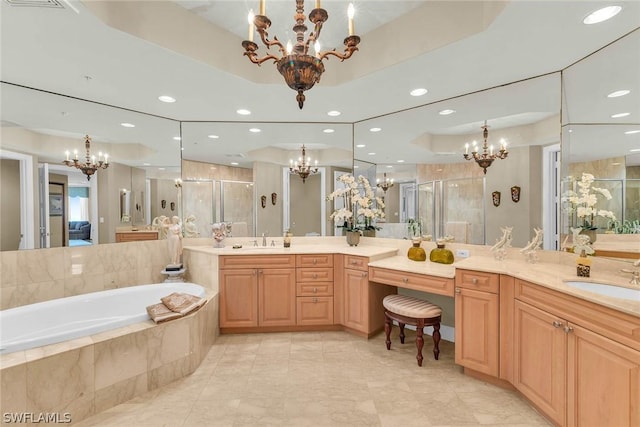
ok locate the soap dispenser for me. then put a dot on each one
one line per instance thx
(287, 239)
(583, 265)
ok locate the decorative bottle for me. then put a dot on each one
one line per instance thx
(441, 254)
(287, 239)
(583, 265)
(416, 253)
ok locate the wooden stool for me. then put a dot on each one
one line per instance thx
(412, 311)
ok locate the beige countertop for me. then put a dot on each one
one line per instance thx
(402, 263)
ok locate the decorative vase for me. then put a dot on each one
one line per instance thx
(369, 233)
(416, 253)
(591, 233)
(353, 238)
(441, 255)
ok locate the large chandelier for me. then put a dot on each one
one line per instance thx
(299, 69)
(91, 165)
(486, 158)
(303, 168)
(385, 184)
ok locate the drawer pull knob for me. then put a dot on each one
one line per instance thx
(405, 279)
(568, 329)
(315, 300)
(315, 275)
(364, 274)
(315, 261)
(315, 290)
(458, 290)
(557, 324)
(474, 281)
(354, 262)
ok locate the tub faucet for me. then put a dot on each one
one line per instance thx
(264, 239)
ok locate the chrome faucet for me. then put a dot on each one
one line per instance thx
(635, 273)
(264, 239)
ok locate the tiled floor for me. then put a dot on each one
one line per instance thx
(323, 379)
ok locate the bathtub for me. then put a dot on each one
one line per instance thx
(58, 320)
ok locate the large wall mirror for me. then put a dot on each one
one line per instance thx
(601, 137)
(38, 127)
(422, 149)
(238, 173)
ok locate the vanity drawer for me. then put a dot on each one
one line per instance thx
(418, 282)
(481, 281)
(257, 261)
(322, 289)
(314, 274)
(356, 262)
(314, 260)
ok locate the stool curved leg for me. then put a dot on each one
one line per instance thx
(419, 341)
(436, 340)
(401, 332)
(387, 330)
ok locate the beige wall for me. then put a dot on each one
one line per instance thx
(162, 189)
(305, 205)
(111, 181)
(268, 179)
(9, 205)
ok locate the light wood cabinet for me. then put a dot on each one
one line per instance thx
(477, 319)
(415, 281)
(136, 236)
(570, 365)
(259, 296)
(314, 290)
(363, 311)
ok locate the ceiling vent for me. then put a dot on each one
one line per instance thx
(35, 3)
(236, 156)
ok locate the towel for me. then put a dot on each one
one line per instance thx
(161, 313)
(182, 303)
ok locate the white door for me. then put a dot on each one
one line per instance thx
(43, 191)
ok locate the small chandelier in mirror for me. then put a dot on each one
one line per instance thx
(91, 164)
(385, 184)
(486, 158)
(303, 167)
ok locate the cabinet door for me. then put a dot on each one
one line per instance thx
(238, 298)
(356, 296)
(315, 311)
(603, 381)
(277, 297)
(540, 368)
(477, 330)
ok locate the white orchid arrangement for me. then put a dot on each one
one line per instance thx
(358, 211)
(583, 203)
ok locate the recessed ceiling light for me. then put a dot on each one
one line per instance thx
(618, 93)
(617, 116)
(333, 113)
(375, 129)
(371, 154)
(601, 15)
(161, 169)
(635, 150)
(631, 132)
(213, 136)
(446, 112)
(360, 145)
(328, 131)
(146, 164)
(243, 112)
(254, 130)
(166, 98)
(234, 163)
(615, 164)
(356, 166)
(177, 138)
(570, 130)
(389, 166)
(418, 92)
(400, 161)
(182, 149)
(127, 125)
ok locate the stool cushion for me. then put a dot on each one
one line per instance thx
(411, 307)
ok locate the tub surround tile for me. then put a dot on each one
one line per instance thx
(44, 265)
(12, 359)
(83, 284)
(32, 293)
(120, 392)
(80, 261)
(7, 298)
(13, 389)
(168, 373)
(35, 354)
(8, 268)
(120, 358)
(168, 342)
(62, 382)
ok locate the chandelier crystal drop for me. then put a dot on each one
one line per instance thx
(91, 164)
(385, 184)
(486, 158)
(300, 69)
(303, 166)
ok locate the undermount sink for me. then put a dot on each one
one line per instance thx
(607, 290)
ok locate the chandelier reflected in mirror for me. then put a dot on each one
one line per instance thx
(385, 184)
(486, 158)
(303, 166)
(91, 164)
(300, 69)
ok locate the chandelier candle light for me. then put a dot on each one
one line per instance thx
(90, 166)
(303, 168)
(299, 69)
(385, 184)
(486, 158)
